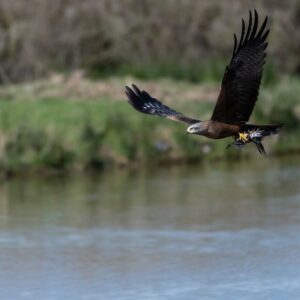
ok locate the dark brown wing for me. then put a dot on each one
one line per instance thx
(144, 103)
(242, 78)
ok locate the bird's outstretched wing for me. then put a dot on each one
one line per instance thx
(242, 78)
(146, 104)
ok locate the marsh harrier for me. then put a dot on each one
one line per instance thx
(239, 91)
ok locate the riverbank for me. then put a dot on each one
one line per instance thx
(72, 123)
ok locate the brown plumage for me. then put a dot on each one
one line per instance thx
(237, 98)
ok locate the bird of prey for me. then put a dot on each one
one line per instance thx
(239, 92)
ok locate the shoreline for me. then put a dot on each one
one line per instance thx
(135, 167)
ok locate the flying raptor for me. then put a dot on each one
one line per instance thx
(239, 92)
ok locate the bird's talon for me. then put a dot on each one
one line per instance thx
(244, 137)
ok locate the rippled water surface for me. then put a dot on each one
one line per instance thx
(211, 232)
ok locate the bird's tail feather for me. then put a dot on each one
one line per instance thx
(264, 130)
(255, 134)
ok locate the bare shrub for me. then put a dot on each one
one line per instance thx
(40, 36)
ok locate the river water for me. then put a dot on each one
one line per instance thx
(216, 231)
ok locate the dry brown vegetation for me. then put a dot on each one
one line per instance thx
(38, 36)
(76, 86)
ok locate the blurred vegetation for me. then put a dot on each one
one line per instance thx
(183, 39)
(55, 123)
(62, 134)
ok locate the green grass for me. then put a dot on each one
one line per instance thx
(200, 71)
(60, 134)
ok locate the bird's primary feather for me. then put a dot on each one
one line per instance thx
(146, 104)
(242, 78)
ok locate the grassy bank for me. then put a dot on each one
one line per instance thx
(42, 133)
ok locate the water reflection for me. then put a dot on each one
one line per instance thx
(221, 231)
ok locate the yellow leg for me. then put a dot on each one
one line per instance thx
(243, 136)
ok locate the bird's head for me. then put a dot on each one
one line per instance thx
(199, 128)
